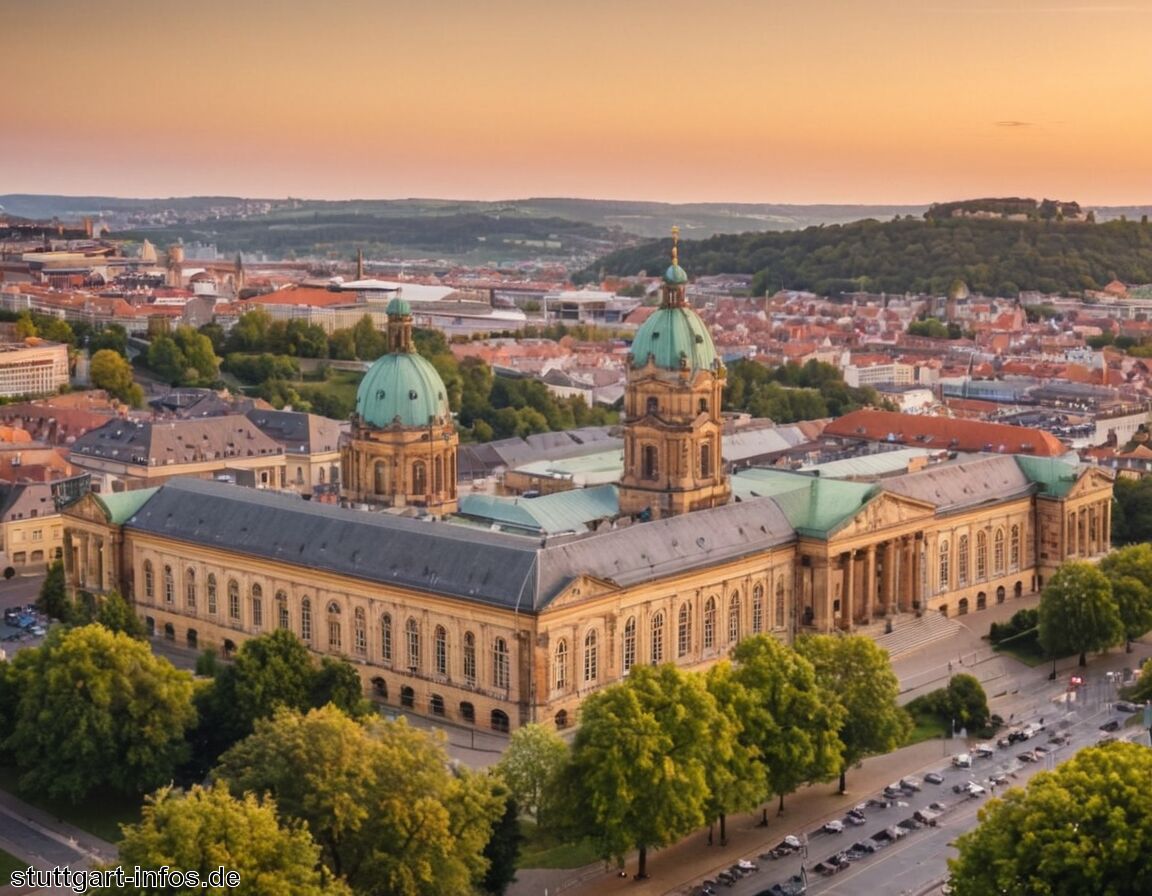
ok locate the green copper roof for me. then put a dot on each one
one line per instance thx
(122, 506)
(675, 275)
(399, 308)
(1055, 477)
(815, 506)
(401, 387)
(672, 335)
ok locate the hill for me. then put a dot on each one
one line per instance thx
(994, 256)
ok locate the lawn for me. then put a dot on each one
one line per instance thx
(925, 728)
(99, 815)
(542, 850)
(8, 864)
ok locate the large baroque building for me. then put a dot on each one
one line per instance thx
(493, 629)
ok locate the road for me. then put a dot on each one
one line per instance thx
(917, 864)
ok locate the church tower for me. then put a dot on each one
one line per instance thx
(402, 448)
(672, 424)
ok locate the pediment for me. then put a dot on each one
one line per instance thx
(88, 508)
(884, 512)
(580, 590)
(1092, 481)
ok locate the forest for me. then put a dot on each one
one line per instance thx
(993, 257)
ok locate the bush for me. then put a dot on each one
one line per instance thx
(1023, 622)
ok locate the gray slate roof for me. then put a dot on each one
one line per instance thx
(958, 486)
(148, 443)
(298, 432)
(441, 558)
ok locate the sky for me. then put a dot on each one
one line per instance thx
(790, 101)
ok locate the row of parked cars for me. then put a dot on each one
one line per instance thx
(888, 834)
(28, 620)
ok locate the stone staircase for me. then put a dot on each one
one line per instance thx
(910, 633)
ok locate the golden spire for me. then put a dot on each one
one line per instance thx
(675, 240)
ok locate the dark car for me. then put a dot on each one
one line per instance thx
(1126, 706)
(867, 845)
(910, 824)
(934, 778)
(727, 878)
(1111, 725)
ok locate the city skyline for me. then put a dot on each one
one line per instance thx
(826, 101)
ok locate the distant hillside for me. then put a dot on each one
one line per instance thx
(994, 257)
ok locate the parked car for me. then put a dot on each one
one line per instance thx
(962, 760)
(911, 784)
(984, 751)
(1111, 725)
(727, 878)
(998, 780)
(975, 791)
(854, 816)
(1028, 756)
(934, 778)
(874, 803)
(747, 865)
(794, 886)
(910, 824)
(835, 826)
(1127, 706)
(1058, 739)
(926, 816)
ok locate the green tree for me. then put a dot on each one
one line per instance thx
(1130, 571)
(97, 710)
(56, 329)
(250, 333)
(370, 342)
(166, 360)
(1078, 613)
(207, 828)
(202, 367)
(53, 598)
(115, 614)
(966, 702)
(1085, 827)
(638, 776)
(855, 669)
(111, 372)
(792, 720)
(503, 850)
(25, 326)
(531, 766)
(390, 813)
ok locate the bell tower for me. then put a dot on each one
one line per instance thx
(672, 424)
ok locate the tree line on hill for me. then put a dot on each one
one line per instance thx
(994, 257)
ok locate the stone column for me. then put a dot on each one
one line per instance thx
(869, 582)
(917, 597)
(889, 578)
(847, 596)
(1107, 508)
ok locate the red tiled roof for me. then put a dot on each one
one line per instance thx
(945, 432)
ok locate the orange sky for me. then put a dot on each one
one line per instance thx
(900, 101)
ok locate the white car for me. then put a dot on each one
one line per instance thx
(984, 750)
(835, 826)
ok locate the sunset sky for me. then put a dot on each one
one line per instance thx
(799, 101)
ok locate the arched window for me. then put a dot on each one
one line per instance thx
(283, 620)
(469, 657)
(257, 606)
(436, 704)
(591, 657)
(705, 459)
(684, 630)
(734, 618)
(468, 712)
(962, 561)
(335, 628)
(981, 555)
(412, 633)
(560, 666)
(360, 632)
(190, 589)
(998, 552)
(210, 587)
(657, 638)
(779, 603)
(652, 405)
(1014, 547)
(169, 586)
(419, 479)
(501, 676)
(629, 643)
(710, 623)
(149, 580)
(649, 462)
(757, 609)
(944, 559)
(499, 721)
(233, 600)
(306, 621)
(561, 719)
(386, 638)
(441, 647)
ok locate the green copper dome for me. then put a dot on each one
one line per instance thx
(675, 275)
(398, 307)
(672, 335)
(401, 387)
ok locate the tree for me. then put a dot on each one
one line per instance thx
(390, 813)
(739, 783)
(206, 828)
(531, 766)
(856, 671)
(1078, 613)
(25, 326)
(166, 360)
(202, 365)
(792, 720)
(96, 709)
(1130, 571)
(53, 598)
(503, 850)
(966, 703)
(638, 776)
(111, 372)
(115, 614)
(1085, 827)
